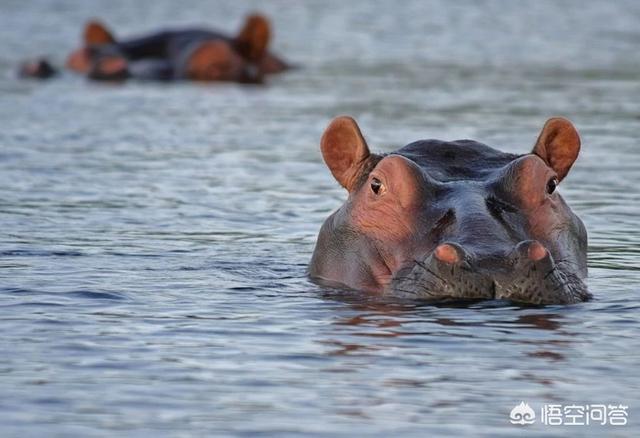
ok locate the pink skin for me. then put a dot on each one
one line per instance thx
(79, 61)
(390, 217)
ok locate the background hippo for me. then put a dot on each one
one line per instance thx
(189, 53)
(453, 220)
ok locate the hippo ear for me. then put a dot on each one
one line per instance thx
(253, 39)
(344, 150)
(96, 33)
(558, 145)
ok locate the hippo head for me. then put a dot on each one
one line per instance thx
(236, 60)
(216, 60)
(456, 220)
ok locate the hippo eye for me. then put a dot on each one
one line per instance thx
(376, 185)
(551, 185)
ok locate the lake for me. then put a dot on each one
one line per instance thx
(154, 238)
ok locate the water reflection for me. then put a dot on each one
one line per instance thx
(370, 320)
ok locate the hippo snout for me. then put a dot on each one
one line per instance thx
(526, 274)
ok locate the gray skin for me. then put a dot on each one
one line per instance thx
(458, 220)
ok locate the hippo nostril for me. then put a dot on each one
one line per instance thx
(531, 250)
(449, 253)
(536, 251)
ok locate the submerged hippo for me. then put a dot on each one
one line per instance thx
(179, 54)
(455, 220)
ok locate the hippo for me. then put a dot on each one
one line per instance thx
(179, 54)
(453, 220)
(192, 53)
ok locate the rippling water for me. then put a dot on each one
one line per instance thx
(154, 238)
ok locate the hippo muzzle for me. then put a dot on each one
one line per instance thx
(527, 274)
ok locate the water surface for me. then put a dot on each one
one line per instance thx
(154, 238)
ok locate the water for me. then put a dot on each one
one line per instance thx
(154, 238)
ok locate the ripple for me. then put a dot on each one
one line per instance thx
(40, 253)
(96, 295)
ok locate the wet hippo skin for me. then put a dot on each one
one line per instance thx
(453, 220)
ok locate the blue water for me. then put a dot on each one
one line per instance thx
(154, 238)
